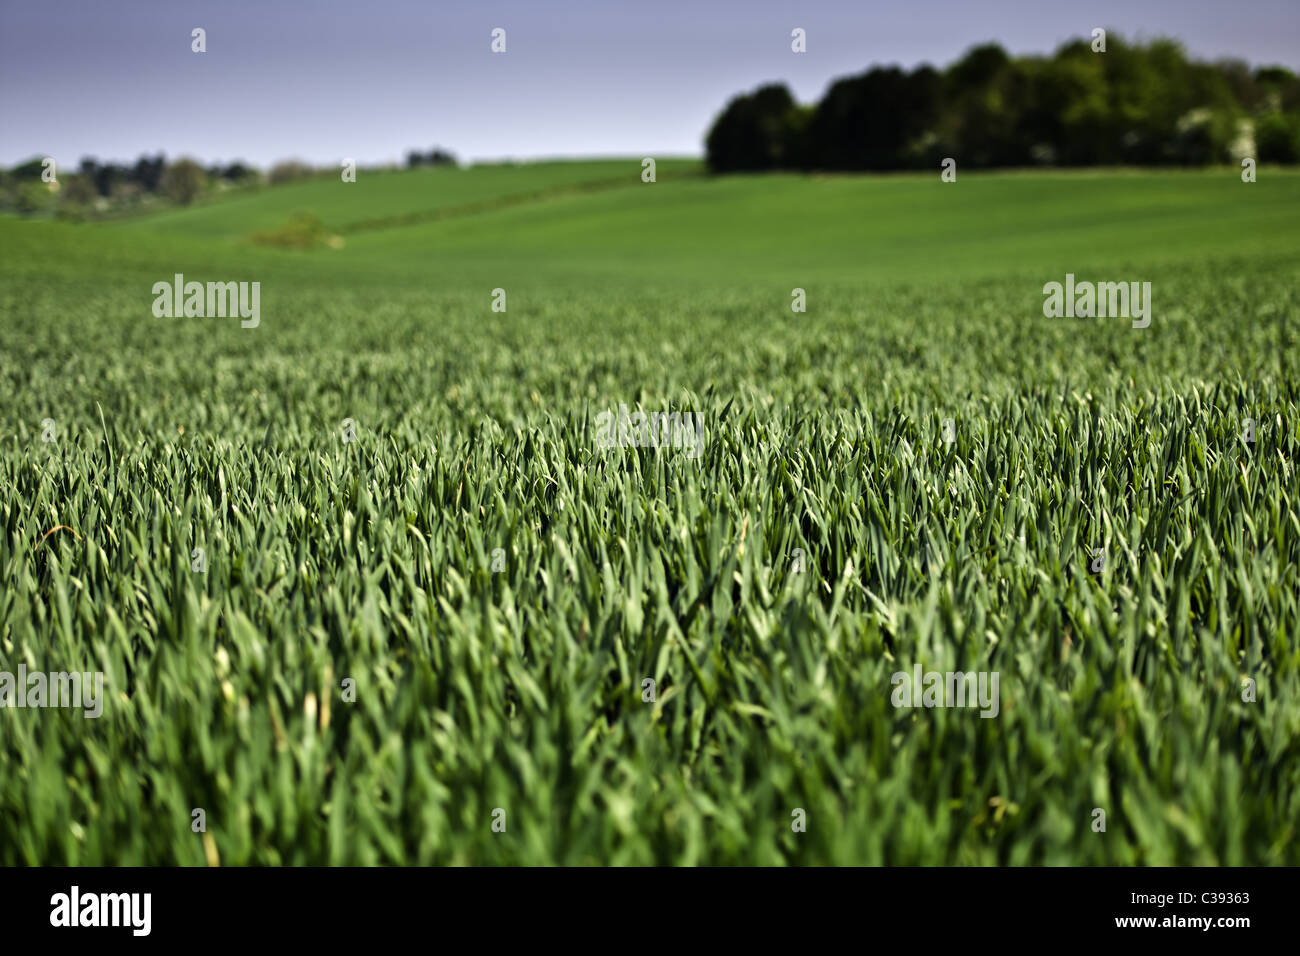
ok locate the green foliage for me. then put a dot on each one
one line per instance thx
(301, 231)
(76, 198)
(755, 132)
(34, 198)
(1277, 136)
(1138, 104)
(289, 171)
(372, 560)
(183, 181)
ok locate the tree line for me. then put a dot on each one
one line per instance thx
(1124, 104)
(94, 188)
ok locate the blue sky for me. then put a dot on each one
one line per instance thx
(369, 79)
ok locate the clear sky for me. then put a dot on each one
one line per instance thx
(370, 79)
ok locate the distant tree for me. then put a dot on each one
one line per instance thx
(30, 170)
(977, 69)
(1204, 136)
(752, 132)
(76, 197)
(1241, 83)
(872, 121)
(79, 190)
(183, 180)
(1279, 87)
(288, 171)
(1277, 138)
(34, 197)
(126, 194)
(435, 157)
(237, 172)
(147, 173)
(796, 137)
(104, 175)
(1142, 103)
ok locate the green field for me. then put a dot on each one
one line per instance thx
(521, 689)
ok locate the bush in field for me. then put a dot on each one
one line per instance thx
(183, 181)
(289, 171)
(1205, 136)
(302, 231)
(77, 197)
(1277, 138)
(435, 157)
(34, 198)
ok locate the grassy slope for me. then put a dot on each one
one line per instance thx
(783, 228)
(522, 690)
(377, 195)
(788, 229)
